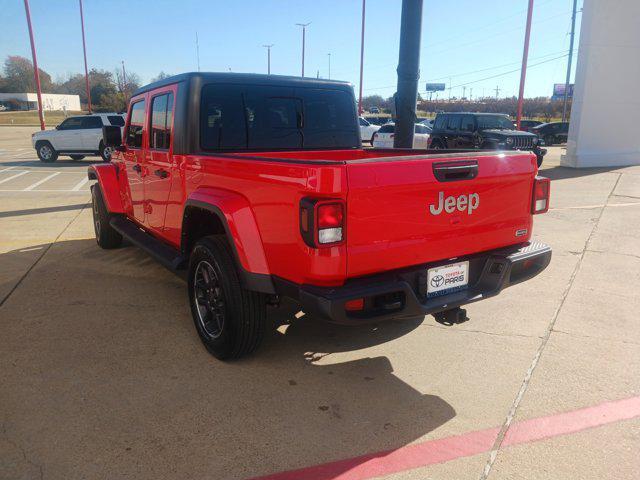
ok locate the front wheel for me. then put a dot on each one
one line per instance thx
(106, 236)
(46, 152)
(229, 319)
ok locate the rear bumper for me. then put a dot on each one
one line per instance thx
(402, 293)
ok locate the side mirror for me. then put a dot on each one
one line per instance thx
(112, 136)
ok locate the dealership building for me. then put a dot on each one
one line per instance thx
(50, 101)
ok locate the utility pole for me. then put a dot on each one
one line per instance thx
(198, 51)
(304, 31)
(566, 83)
(523, 70)
(36, 73)
(497, 91)
(470, 93)
(408, 73)
(268, 47)
(450, 88)
(84, 49)
(464, 91)
(329, 55)
(124, 81)
(360, 110)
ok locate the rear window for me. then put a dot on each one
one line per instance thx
(116, 120)
(388, 128)
(255, 117)
(440, 122)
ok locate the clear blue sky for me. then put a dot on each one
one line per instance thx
(467, 40)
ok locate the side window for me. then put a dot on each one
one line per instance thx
(73, 123)
(161, 121)
(420, 129)
(363, 122)
(116, 120)
(440, 122)
(91, 122)
(453, 122)
(136, 125)
(222, 118)
(468, 124)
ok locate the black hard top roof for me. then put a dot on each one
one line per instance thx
(230, 77)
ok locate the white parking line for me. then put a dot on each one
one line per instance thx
(80, 184)
(40, 182)
(5, 169)
(14, 176)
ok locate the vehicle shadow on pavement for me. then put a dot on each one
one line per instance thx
(563, 173)
(105, 376)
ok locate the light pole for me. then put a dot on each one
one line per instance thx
(523, 71)
(36, 73)
(566, 83)
(361, 59)
(124, 81)
(304, 31)
(268, 47)
(86, 69)
(329, 55)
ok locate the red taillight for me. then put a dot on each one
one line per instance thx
(321, 222)
(354, 305)
(541, 190)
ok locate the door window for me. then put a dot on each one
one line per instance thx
(136, 125)
(161, 121)
(468, 124)
(453, 122)
(91, 122)
(73, 123)
(116, 120)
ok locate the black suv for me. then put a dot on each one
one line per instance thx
(483, 131)
(552, 132)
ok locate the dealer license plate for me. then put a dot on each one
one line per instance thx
(447, 279)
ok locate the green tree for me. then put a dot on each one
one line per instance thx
(18, 76)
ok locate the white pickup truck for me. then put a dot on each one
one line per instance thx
(77, 137)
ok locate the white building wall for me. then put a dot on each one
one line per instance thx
(50, 101)
(606, 104)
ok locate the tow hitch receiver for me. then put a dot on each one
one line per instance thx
(452, 316)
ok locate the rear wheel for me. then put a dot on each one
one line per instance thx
(437, 145)
(106, 236)
(46, 152)
(76, 157)
(105, 152)
(229, 319)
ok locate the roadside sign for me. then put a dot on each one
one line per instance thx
(436, 87)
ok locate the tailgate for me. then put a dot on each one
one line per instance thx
(410, 210)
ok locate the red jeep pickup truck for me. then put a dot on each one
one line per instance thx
(257, 186)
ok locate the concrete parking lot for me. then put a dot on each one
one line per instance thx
(103, 376)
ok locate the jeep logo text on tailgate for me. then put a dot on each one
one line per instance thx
(450, 204)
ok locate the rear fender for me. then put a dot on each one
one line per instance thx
(107, 176)
(235, 214)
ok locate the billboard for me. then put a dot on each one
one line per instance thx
(558, 91)
(436, 87)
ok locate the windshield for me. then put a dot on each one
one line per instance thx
(498, 122)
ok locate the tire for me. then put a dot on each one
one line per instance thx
(106, 236)
(549, 140)
(229, 319)
(76, 157)
(46, 152)
(437, 145)
(105, 152)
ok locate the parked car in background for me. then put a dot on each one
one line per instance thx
(482, 131)
(427, 122)
(375, 110)
(77, 136)
(367, 129)
(527, 125)
(383, 138)
(552, 132)
(2, 108)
